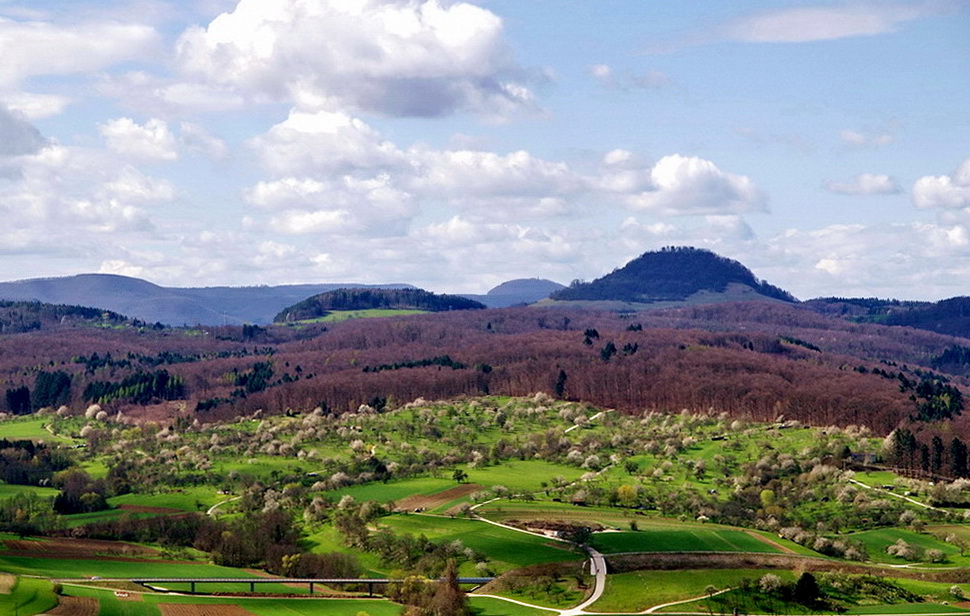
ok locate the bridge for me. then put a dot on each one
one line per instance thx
(192, 582)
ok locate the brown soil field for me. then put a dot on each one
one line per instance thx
(430, 501)
(74, 548)
(75, 606)
(184, 609)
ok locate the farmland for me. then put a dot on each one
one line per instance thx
(512, 488)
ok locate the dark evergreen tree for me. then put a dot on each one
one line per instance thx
(958, 458)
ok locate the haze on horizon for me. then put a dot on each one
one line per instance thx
(456, 145)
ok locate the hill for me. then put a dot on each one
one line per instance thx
(21, 317)
(674, 275)
(374, 299)
(517, 292)
(152, 303)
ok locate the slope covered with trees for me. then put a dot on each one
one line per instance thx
(673, 273)
(374, 299)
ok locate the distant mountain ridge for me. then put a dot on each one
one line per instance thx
(517, 292)
(149, 302)
(674, 274)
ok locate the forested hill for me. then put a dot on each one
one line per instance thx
(670, 274)
(371, 299)
(949, 316)
(19, 317)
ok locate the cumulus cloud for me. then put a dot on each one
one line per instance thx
(323, 141)
(688, 185)
(421, 58)
(865, 184)
(344, 205)
(31, 48)
(17, 135)
(152, 140)
(944, 191)
(64, 191)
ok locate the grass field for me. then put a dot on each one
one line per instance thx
(7, 490)
(31, 428)
(639, 590)
(29, 596)
(522, 475)
(876, 542)
(336, 316)
(507, 549)
(393, 490)
(487, 606)
(187, 499)
(111, 606)
(697, 539)
(86, 568)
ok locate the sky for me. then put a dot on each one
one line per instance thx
(456, 145)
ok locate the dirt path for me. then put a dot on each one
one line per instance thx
(766, 540)
(188, 609)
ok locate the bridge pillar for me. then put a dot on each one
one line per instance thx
(192, 587)
(311, 588)
(370, 589)
(252, 588)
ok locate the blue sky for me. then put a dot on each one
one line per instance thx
(456, 145)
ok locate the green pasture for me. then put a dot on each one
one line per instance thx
(7, 490)
(29, 596)
(112, 606)
(876, 542)
(261, 466)
(336, 316)
(506, 549)
(697, 539)
(87, 568)
(522, 475)
(32, 429)
(639, 590)
(327, 539)
(392, 490)
(488, 606)
(187, 499)
(505, 510)
(82, 519)
(876, 479)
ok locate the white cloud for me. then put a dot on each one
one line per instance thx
(806, 24)
(820, 23)
(944, 191)
(865, 184)
(17, 135)
(417, 58)
(198, 139)
(31, 48)
(65, 192)
(683, 185)
(867, 139)
(35, 106)
(651, 80)
(322, 142)
(152, 140)
(342, 205)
